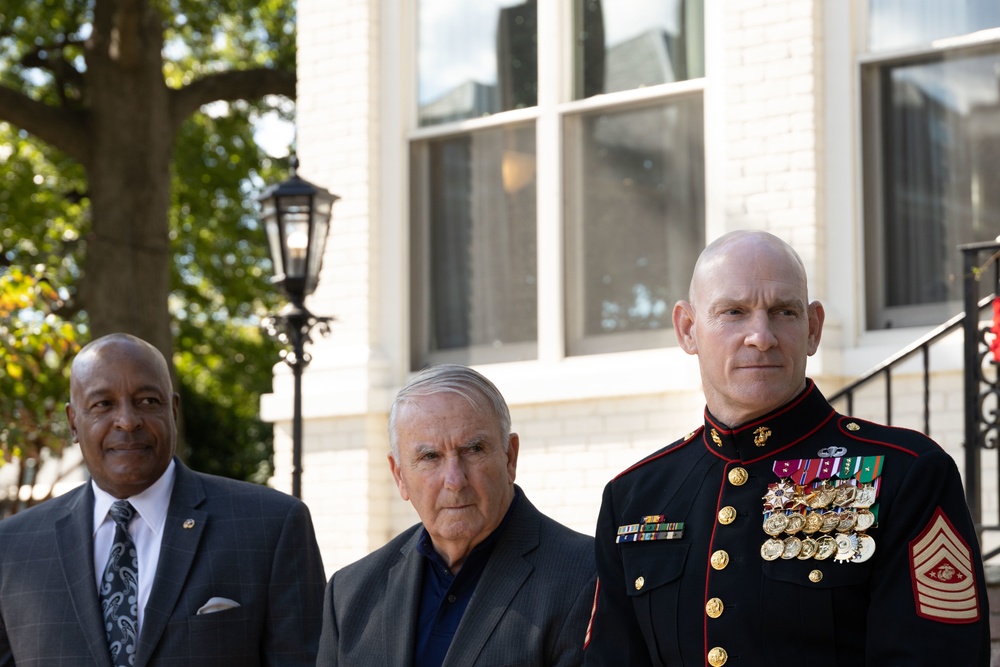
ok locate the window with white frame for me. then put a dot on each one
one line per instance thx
(931, 147)
(630, 155)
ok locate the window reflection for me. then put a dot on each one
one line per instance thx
(479, 224)
(476, 58)
(940, 179)
(899, 24)
(627, 45)
(640, 215)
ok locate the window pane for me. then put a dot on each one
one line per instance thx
(897, 24)
(480, 230)
(626, 45)
(476, 58)
(940, 178)
(639, 222)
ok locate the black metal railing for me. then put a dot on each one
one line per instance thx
(981, 387)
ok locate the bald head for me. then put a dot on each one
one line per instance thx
(749, 320)
(741, 248)
(98, 348)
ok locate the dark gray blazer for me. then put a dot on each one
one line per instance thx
(530, 608)
(221, 538)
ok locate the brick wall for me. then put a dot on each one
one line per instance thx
(767, 150)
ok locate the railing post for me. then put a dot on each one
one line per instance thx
(970, 258)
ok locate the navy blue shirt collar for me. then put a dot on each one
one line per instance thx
(444, 596)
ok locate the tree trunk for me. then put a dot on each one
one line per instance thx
(126, 272)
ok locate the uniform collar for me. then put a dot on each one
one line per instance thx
(766, 436)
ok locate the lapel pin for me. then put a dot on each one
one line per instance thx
(189, 523)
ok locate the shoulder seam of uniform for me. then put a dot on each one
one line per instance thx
(669, 449)
(883, 443)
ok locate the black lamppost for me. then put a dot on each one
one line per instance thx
(296, 217)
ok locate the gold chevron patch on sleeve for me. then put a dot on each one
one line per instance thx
(944, 581)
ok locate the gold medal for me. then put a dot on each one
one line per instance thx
(808, 549)
(848, 520)
(796, 522)
(847, 547)
(866, 496)
(865, 520)
(791, 546)
(775, 524)
(814, 521)
(846, 493)
(779, 494)
(866, 547)
(821, 497)
(772, 549)
(830, 522)
(826, 546)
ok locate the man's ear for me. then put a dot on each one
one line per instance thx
(71, 418)
(683, 318)
(398, 477)
(816, 318)
(513, 445)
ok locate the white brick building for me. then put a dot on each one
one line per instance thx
(536, 217)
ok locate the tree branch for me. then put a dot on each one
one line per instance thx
(63, 128)
(250, 84)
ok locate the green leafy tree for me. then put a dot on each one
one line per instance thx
(221, 289)
(35, 347)
(126, 164)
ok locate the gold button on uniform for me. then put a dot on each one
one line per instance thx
(727, 515)
(639, 582)
(717, 656)
(720, 559)
(738, 476)
(815, 576)
(714, 608)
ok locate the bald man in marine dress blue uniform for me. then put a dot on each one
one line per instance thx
(780, 531)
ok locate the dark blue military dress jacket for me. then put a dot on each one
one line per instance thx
(805, 537)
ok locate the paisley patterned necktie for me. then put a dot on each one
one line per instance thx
(120, 589)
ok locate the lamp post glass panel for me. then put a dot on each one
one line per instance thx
(296, 216)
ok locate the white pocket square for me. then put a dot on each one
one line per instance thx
(217, 604)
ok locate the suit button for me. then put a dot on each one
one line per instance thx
(727, 515)
(816, 576)
(714, 608)
(639, 583)
(720, 559)
(717, 656)
(738, 476)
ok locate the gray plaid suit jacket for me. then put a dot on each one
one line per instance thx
(530, 608)
(247, 543)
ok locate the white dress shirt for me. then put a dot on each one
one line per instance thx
(146, 529)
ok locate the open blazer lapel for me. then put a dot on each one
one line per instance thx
(75, 543)
(177, 552)
(401, 606)
(505, 574)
